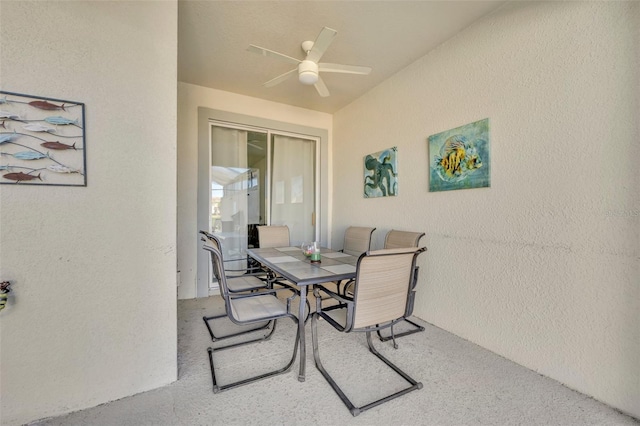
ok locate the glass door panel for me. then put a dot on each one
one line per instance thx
(235, 191)
(293, 183)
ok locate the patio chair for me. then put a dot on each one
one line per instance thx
(248, 282)
(250, 308)
(401, 239)
(273, 236)
(277, 236)
(383, 295)
(357, 240)
(397, 239)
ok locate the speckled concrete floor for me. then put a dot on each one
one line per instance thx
(463, 385)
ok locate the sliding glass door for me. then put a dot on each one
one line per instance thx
(260, 177)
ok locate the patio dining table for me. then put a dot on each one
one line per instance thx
(294, 266)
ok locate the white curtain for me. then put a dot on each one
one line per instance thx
(293, 187)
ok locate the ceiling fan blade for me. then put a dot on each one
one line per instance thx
(266, 52)
(321, 88)
(280, 78)
(321, 44)
(347, 69)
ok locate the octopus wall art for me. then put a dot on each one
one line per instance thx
(459, 158)
(42, 141)
(381, 174)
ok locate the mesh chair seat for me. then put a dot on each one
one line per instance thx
(257, 308)
(245, 283)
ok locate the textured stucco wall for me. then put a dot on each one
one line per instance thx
(190, 97)
(93, 314)
(543, 267)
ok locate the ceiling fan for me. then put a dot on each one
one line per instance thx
(309, 68)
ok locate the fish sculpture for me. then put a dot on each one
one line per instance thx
(61, 169)
(458, 159)
(3, 100)
(9, 115)
(57, 145)
(21, 176)
(27, 155)
(3, 125)
(33, 127)
(7, 137)
(57, 120)
(46, 105)
(5, 167)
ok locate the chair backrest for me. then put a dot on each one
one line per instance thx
(217, 267)
(357, 240)
(402, 239)
(383, 290)
(273, 236)
(212, 240)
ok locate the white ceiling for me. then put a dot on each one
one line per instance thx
(385, 35)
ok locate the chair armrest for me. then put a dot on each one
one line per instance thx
(271, 291)
(319, 287)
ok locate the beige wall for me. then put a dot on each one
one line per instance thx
(543, 267)
(93, 313)
(190, 97)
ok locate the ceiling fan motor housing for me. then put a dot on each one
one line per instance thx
(308, 72)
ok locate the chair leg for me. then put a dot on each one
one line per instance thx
(220, 388)
(352, 408)
(418, 328)
(215, 338)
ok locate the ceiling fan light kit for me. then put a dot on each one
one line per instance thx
(308, 72)
(309, 68)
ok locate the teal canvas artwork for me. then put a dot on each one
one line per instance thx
(381, 174)
(459, 158)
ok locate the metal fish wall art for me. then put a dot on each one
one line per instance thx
(34, 127)
(61, 169)
(57, 120)
(46, 143)
(27, 155)
(46, 105)
(9, 115)
(7, 137)
(21, 176)
(57, 145)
